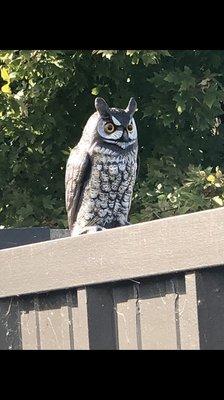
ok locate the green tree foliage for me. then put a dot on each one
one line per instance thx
(47, 96)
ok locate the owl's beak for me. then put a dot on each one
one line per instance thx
(125, 136)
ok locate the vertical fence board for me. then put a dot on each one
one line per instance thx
(210, 294)
(101, 318)
(158, 323)
(54, 321)
(78, 304)
(10, 333)
(158, 311)
(125, 304)
(188, 315)
(29, 323)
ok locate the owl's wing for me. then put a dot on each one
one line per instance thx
(77, 171)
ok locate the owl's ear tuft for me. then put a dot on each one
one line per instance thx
(102, 106)
(132, 106)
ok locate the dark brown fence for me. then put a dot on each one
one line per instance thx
(155, 285)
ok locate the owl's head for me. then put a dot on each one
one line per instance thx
(117, 126)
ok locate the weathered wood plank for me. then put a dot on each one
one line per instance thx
(10, 333)
(210, 295)
(77, 302)
(158, 318)
(101, 318)
(188, 315)
(29, 323)
(126, 308)
(186, 242)
(54, 321)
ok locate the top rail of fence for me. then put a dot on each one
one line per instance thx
(169, 245)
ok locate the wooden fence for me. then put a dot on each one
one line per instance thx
(154, 285)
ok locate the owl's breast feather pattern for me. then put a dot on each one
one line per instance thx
(108, 192)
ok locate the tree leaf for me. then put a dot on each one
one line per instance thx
(218, 200)
(95, 90)
(5, 75)
(211, 178)
(210, 97)
(6, 89)
(49, 106)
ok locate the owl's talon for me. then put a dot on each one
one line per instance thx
(94, 229)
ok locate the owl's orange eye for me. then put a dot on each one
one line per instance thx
(130, 128)
(109, 127)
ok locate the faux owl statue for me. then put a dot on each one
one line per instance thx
(101, 170)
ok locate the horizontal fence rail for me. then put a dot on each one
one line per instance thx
(154, 285)
(186, 242)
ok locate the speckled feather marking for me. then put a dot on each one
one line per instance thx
(106, 197)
